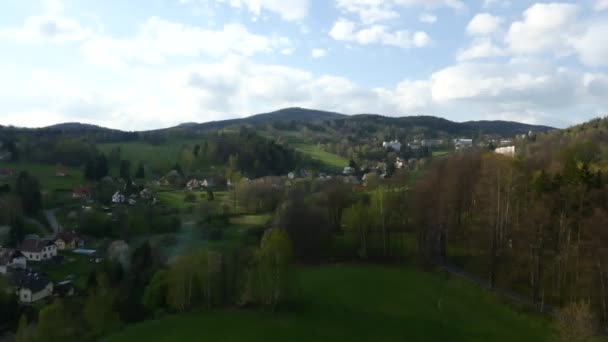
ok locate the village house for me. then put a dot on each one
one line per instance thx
(60, 172)
(35, 249)
(30, 286)
(193, 184)
(11, 259)
(463, 143)
(431, 142)
(81, 193)
(118, 198)
(7, 173)
(146, 194)
(68, 241)
(395, 145)
(506, 151)
(348, 171)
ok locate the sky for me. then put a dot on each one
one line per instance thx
(144, 64)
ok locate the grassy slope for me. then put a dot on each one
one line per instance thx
(45, 173)
(331, 160)
(360, 303)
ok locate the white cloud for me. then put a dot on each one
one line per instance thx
(288, 10)
(428, 18)
(318, 53)
(496, 3)
(47, 28)
(600, 5)
(159, 39)
(374, 11)
(484, 24)
(53, 6)
(544, 27)
(590, 45)
(480, 48)
(344, 30)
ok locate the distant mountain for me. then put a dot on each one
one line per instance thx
(283, 115)
(428, 123)
(77, 126)
(506, 127)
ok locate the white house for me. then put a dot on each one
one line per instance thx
(463, 143)
(193, 184)
(29, 286)
(395, 145)
(506, 151)
(11, 258)
(118, 198)
(35, 249)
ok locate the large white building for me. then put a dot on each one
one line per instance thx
(463, 143)
(395, 145)
(507, 151)
(35, 249)
(30, 286)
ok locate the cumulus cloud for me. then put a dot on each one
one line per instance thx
(601, 5)
(318, 53)
(345, 30)
(288, 10)
(484, 24)
(428, 18)
(159, 39)
(543, 27)
(374, 11)
(480, 48)
(47, 28)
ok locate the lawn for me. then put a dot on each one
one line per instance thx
(75, 267)
(329, 159)
(360, 303)
(45, 173)
(440, 153)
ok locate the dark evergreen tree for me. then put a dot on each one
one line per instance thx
(89, 170)
(101, 166)
(141, 172)
(125, 170)
(28, 189)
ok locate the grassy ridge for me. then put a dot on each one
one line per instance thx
(45, 173)
(329, 159)
(360, 303)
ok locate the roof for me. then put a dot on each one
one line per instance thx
(82, 190)
(63, 288)
(35, 245)
(33, 281)
(7, 255)
(68, 237)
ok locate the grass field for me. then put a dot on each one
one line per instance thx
(45, 173)
(75, 267)
(360, 303)
(329, 159)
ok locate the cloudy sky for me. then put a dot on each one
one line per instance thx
(143, 64)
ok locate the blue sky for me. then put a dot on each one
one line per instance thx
(144, 64)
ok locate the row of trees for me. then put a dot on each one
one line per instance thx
(535, 228)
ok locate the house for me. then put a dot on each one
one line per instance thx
(60, 172)
(506, 151)
(291, 175)
(30, 286)
(81, 192)
(348, 170)
(64, 289)
(7, 173)
(145, 194)
(5, 155)
(193, 184)
(463, 143)
(399, 163)
(11, 258)
(35, 249)
(395, 145)
(68, 240)
(432, 142)
(118, 198)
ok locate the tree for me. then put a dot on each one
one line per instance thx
(356, 219)
(233, 174)
(90, 170)
(98, 310)
(28, 189)
(576, 322)
(268, 279)
(155, 294)
(337, 197)
(125, 170)
(141, 172)
(24, 331)
(54, 324)
(101, 166)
